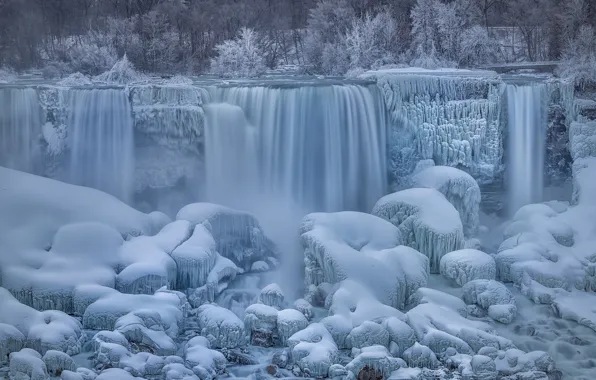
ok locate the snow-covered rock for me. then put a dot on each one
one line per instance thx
(237, 234)
(466, 265)
(313, 350)
(11, 340)
(27, 364)
(289, 322)
(144, 329)
(375, 360)
(205, 362)
(56, 362)
(420, 356)
(272, 295)
(304, 307)
(401, 335)
(362, 248)
(221, 326)
(492, 296)
(437, 297)
(260, 322)
(426, 220)
(368, 334)
(460, 188)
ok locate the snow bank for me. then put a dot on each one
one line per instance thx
(362, 248)
(426, 220)
(460, 188)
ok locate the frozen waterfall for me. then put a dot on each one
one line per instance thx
(321, 146)
(527, 117)
(20, 128)
(100, 129)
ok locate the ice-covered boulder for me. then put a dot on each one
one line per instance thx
(56, 362)
(492, 296)
(11, 340)
(289, 322)
(43, 331)
(368, 334)
(222, 327)
(437, 297)
(238, 235)
(116, 373)
(313, 350)
(144, 329)
(109, 337)
(260, 322)
(467, 265)
(27, 364)
(374, 360)
(420, 356)
(272, 295)
(426, 220)
(194, 258)
(304, 307)
(460, 188)
(205, 362)
(362, 248)
(401, 335)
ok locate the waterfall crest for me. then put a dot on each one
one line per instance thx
(321, 146)
(100, 136)
(527, 117)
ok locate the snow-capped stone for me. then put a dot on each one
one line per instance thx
(426, 220)
(56, 362)
(420, 356)
(460, 188)
(260, 322)
(194, 258)
(467, 265)
(437, 297)
(272, 295)
(313, 350)
(304, 307)
(205, 362)
(144, 328)
(27, 364)
(116, 373)
(289, 322)
(399, 333)
(224, 328)
(259, 266)
(368, 334)
(376, 359)
(11, 340)
(362, 248)
(109, 337)
(484, 368)
(489, 293)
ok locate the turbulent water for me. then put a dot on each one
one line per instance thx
(323, 147)
(526, 114)
(20, 128)
(100, 128)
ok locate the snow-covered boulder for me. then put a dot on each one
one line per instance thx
(437, 297)
(373, 360)
(205, 362)
(460, 188)
(56, 362)
(43, 331)
(237, 234)
(313, 350)
(467, 265)
(109, 337)
(260, 322)
(11, 340)
(116, 373)
(420, 356)
(492, 296)
(289, 322)
(426, 220)
(368, 334)
(144, 329)
(221, 326)
(194, 258)
(401, 335)
(362, 248)
(27, 364)
(304, 307)
(272, 295)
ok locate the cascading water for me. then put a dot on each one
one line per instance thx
(20, 127)
(526, 113)
(100, 133)
(321, 146)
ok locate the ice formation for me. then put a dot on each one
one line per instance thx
(466, 265)
(363, 248)
(221, 326)
(460, 188)
(493, 297)
(426, 221)
(314, 350)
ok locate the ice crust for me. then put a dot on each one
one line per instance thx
(426, 220)
(460, 188)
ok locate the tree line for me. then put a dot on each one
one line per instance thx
(319, 36)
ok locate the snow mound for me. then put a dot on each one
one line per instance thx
(492, 296)
(420, 356)
(304, 307)
(74, 80)
(221, 326)
(11, 340)
(272, 295)
(574, 307)
(56, 362)
(375, 360)
(144, 328)
(427, 295)
(205, 362)
(27, 364)
(195, 257)
(122, 73)
(43, 331)
(237, 234)
(289, 322)
(261, 324)
(466, 265)
(426, 220)
(313, 350)
(362, 248)
(460, 188)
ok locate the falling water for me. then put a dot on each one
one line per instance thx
(100, 129)
(526, 113)
(20, 128)
(320, 146)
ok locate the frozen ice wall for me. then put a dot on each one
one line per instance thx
(527, 123)
(322, 146)
(20, 128)
(100, 137)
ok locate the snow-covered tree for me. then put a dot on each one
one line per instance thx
(476, 47)
(241, 57)
(580, 57)
(425, 30)
(372, 41)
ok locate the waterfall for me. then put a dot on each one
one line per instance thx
(527, 118)
(20, 128)
(322, 147)
(100, 129)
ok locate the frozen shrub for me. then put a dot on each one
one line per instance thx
(241, 57)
